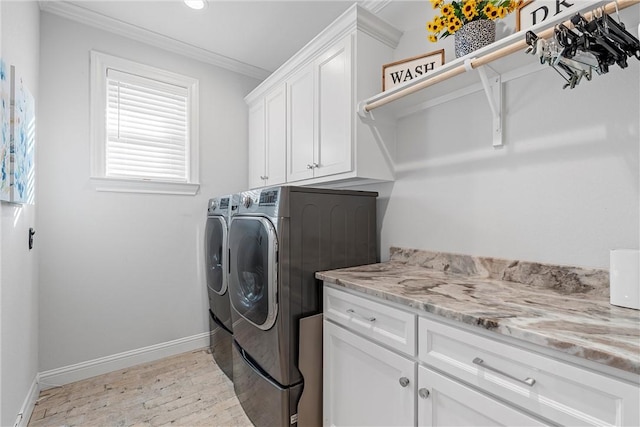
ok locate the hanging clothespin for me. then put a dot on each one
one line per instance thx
(531, 38)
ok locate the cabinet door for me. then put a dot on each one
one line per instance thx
(276, 137)
(449, 403)
(301, 124)
(362, 382)
(335, 110)
(256, 145)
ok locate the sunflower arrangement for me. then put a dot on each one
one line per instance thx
(455, 14)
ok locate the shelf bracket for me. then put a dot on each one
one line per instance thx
(493, 89)
(361, 111)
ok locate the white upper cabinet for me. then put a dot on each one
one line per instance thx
(325, 139)
(301, 134)
(335, 109)
(257, 144)
(267, 139)
(276, 136)
(320, 107)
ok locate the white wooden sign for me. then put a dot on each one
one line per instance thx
(403, 71)
(534, 12)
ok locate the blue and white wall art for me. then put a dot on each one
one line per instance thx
(5, 133)
(23, 127)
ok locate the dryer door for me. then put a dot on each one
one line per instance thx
(215, 248)
(253, 282)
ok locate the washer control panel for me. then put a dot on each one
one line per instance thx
(268, 197)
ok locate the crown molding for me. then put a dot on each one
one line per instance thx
(356, 18)
(375, 6)
(97, 20)
(378, 28)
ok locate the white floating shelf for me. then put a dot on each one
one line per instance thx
(506, 58)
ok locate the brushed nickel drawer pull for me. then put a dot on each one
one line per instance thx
(353, 312)
(528, 381)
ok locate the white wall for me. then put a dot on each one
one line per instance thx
(18, 265)
(123, 271)
(563, 190)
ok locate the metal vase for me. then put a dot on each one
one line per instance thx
(474, 35)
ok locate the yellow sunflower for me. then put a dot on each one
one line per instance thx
(488, 9)
(453, 13)
(469, 10)
(513, 5)
(454, 25)
(447, 9)
(434, 26)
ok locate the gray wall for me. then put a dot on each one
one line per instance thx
(123, 271)
(563, 190)
(18, 265)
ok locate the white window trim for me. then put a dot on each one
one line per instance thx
(99, 64)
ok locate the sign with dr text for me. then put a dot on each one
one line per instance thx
(534, 12)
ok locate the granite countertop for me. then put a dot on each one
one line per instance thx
(558, 307)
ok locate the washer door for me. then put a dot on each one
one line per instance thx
(214, 251)
(253, 282)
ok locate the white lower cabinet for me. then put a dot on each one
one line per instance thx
(550, 388)
(364, 383)
(459, 376)
(445, 402)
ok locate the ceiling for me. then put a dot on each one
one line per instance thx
(254, 36)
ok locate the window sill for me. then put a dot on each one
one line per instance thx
(122, 185)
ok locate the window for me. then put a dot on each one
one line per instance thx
(144, 128)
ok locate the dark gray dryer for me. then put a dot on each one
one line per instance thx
(219, 213)
(278, 239)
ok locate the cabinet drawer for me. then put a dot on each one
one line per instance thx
(558, 391)
(379, 322)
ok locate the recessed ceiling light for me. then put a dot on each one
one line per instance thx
(196, 4)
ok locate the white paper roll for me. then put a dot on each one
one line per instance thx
(624, 278)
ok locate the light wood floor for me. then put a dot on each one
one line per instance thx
(184, 390)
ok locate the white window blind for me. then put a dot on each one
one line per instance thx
(147, 124)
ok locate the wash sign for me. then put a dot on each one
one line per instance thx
(417, 67)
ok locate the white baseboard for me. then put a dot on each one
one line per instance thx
(103, 365)
(29, 403)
